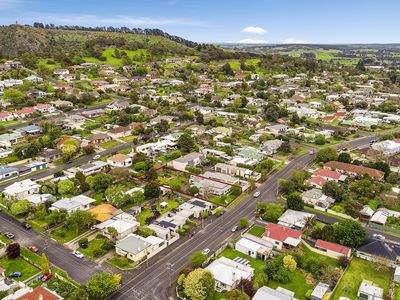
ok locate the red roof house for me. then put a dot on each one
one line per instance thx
(316, 181)
(333, 249)
(40, 293)
(281, 236)
(329, 175)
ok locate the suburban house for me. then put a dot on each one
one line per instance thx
(50, 155)
(6, 116)
(30, 130)
(316, 181)
(39, 293)
(21, 189)
(92, 167)
(7, 140)
(236, 171)
(228, 273)
(281, 236)
(369, 291)
(254, 247)
(45, 108)
(271, 147)
(294, 219)
(195, 207)
(118, 132)
(160, 146)
(120, 160)
(315, 197)
(277, 129)
(279, 293)
(73, 204)
(94, 113)
(189, 160)
(104, 211)
(124, 224)
(353, 170)
(380, 249)
(98, 138)
(138, 248)
(329, 175)
(387, 147)
(332, 249)
(8, 172)
(221, 177)
(208, 186)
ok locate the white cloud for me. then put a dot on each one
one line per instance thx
(294, 41)
(252, 41)
(254, 29)
(120, 20)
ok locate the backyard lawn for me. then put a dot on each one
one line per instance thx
(143, 215)
(18, 265)
(171, 205)
(256, 230)
(298, 284)
(358, 270)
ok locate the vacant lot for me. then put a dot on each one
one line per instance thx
(360, 269)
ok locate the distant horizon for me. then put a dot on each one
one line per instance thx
(256, 22)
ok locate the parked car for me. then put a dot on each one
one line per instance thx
(235, 228)
(9, 235)
(15, 274)
(256, 194)
(78, 254)
(96, 156)
(26, 225)
(33, 249)
(46, 277)
(206, 251)
(378, 236)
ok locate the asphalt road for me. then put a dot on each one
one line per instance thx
(78, 269)
(152, 282)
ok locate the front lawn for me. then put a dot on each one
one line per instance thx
(64, 235)
(256, 231)
(358, 270)
(221, 200)
(110, 144)
(121, 263)
(18, 265)
(321, 259)
(171, 205)
(95, 248)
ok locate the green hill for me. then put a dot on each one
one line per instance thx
(16, 40)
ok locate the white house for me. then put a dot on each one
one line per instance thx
(369, 291)
(138, 248)
(254, 247)
(120, 160)
(21, 189)
(73, 204)
(189, 160)
(123, 223)
(267, 293)
(228, 273)
(294, 219)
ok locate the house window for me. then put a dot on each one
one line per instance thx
(363, 296)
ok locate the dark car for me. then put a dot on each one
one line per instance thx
(26, 225)
(15, 274)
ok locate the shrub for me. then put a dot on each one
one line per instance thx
(97, 253)
(83, 243)
(108, 245)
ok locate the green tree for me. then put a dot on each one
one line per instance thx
(66, 186)
(289, 263)
(236, 295)
(344, 157)
(20, 207)
(16, 97)
(326, 154)
(349, 233)
(45, 264)
(79, 220)
(199, 285)
(197, 259)
(319, 139)
(272, 212)
(335, 190)
(100, 286)
(244, 222)
(186, 143)
(151, 190)
(115, 195)
(68, 152)
(100, 181)
(294, 201)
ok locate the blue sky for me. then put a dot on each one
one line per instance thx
(272, 21)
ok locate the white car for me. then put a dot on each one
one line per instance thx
(256, 194)
(96, 156)
(378, 236)
(206, 251)
(78, 254)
